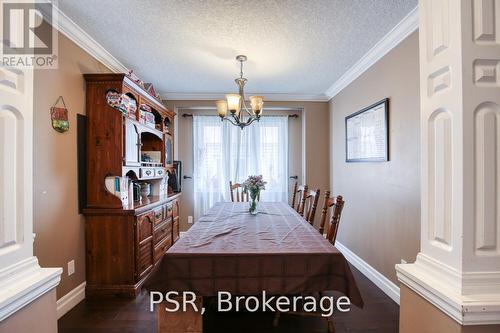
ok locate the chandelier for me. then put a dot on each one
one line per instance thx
(239, 114)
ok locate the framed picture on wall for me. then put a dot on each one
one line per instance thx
(367, 134)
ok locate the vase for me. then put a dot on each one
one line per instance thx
(145, 190)
(253, 202)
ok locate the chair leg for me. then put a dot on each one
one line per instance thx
(331, 327)
(276, 320)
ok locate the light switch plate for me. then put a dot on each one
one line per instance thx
(71, 267)
(190, 220)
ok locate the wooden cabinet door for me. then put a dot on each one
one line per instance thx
(132, 144)
(175, 229)
(144, 258)
(175, 221)
(144, 244)
(144, 226)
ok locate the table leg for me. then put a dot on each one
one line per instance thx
(180, 322)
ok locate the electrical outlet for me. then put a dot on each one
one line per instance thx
(403, 261)
(71, 267)
(190, 220)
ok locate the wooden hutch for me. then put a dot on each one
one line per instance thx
(125, 239)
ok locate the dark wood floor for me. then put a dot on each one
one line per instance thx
(117, 315)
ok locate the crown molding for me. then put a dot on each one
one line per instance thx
(402, 30)
(75, 33)
(172, 96)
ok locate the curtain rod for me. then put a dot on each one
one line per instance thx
(189, 115)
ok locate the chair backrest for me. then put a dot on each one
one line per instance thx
(237, 192)
(302, 190)
(310, 205)
(297, 195)
(294, 195)
(337, 204)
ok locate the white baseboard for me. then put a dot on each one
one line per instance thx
(70, 300)
(386, 285)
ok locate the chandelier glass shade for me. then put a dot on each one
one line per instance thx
(239, 114)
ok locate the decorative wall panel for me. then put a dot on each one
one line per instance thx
(10, 178)
(10, 80)
(486, 73)
(16, 107)
(487, 179)
(486, 21)
(440, 178)
(439, 80)
(438, 27)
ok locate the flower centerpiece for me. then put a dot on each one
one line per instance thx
(253, 185)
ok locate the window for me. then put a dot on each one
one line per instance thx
(223, 152)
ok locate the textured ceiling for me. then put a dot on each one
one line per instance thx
(188, 46)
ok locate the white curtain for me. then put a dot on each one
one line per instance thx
(224, 152)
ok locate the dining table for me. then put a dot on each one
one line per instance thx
(276, 251)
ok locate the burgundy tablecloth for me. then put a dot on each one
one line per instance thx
(277, 251)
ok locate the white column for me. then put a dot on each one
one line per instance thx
(458, 268)
(21, 278)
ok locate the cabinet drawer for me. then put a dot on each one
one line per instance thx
(175, 208)
(175, 229)
(161, 248)
(144, 227)
(159, 172)
(163, 230)
(158, 215)
(144, 258)
(147, 173)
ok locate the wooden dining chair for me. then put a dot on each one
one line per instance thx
(297, 195)
(302, 200)
(241, 196)
(302, 193)
(294, 194)
(310, 203)
(338, 205)
(335, 220)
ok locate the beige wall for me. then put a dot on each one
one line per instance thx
(313, 126)
(381, 219)
(60, 233)
(38, 316)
